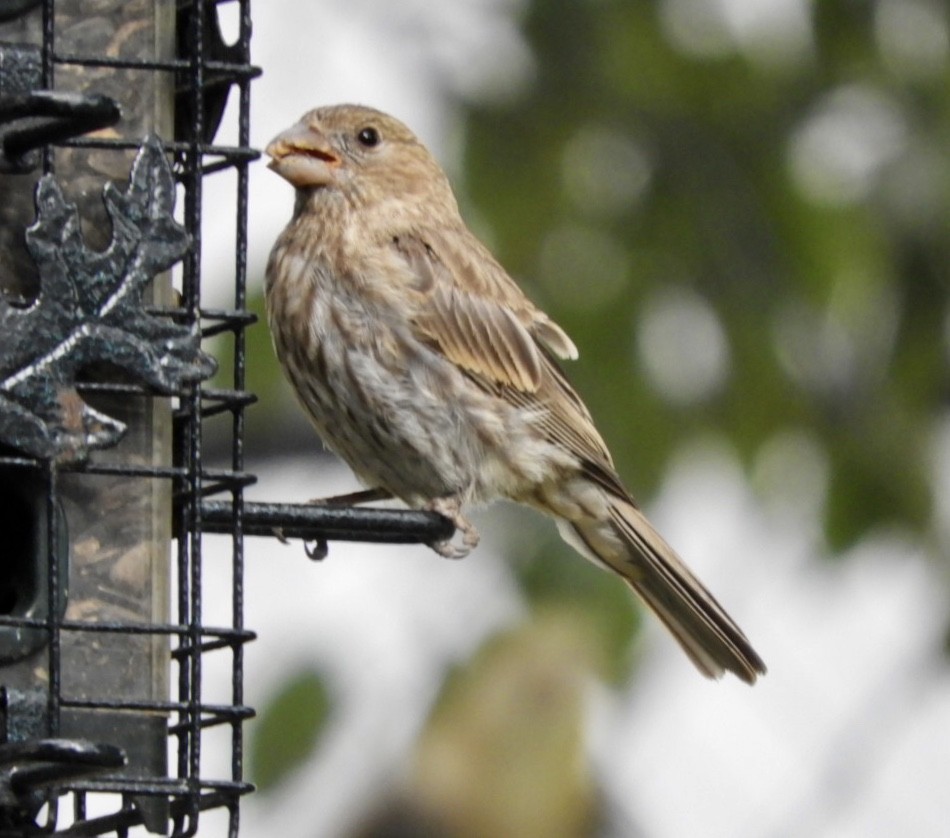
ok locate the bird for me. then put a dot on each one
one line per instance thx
(426, 368)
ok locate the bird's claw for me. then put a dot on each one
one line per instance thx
(449, 550)
(451, 508)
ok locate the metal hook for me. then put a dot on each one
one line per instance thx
(31, 117)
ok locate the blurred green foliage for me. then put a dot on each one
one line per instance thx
(552, 578)
(795, 199)
(288, 729)
(503, 752)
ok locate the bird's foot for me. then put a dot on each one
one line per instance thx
(451, 508)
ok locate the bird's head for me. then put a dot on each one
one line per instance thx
(360, 152)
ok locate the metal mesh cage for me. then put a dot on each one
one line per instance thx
(109, 114)
(102, 651)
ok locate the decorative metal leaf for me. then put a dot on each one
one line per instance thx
(90, 313)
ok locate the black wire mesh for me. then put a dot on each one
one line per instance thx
(80, 752)
(105, 648)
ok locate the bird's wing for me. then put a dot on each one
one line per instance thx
(475, 315)
(475, 312)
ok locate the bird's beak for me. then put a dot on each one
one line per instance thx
(303, 156)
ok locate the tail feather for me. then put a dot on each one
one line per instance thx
(650, 566)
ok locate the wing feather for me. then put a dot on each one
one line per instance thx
(481, 321)
(472, 322)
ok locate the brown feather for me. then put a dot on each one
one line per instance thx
(696, 619)
(424, 365)
(470, 331)
(501, 355)
(477, 332)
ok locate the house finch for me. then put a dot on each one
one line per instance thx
(423, 365)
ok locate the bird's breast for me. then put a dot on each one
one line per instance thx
(395, 409)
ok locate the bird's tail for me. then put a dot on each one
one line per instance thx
(626, 543)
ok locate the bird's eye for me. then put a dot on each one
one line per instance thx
(368, 137)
